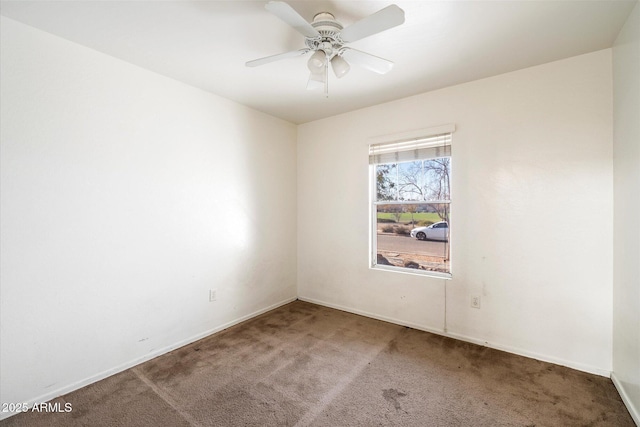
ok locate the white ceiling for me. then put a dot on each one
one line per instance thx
(442, 43)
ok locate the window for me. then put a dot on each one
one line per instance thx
(411, 200)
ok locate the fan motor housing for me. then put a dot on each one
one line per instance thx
(325, 21)
(329, 41)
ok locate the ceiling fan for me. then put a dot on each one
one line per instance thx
(326, 38)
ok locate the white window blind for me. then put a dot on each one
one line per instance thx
(423, 148)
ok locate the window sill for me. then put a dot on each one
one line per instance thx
(412, 271)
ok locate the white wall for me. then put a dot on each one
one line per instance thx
(531, 211)
(125, 197)
(626, 240)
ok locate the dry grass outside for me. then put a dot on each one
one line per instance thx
(420, 262)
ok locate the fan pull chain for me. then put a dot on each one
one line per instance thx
(326, 78)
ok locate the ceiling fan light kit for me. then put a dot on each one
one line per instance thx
(340, 66)
(317, 61)
(326, 38)
(317, 81)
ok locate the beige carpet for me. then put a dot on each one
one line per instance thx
(304, 364)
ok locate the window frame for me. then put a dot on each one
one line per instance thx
(373, 202)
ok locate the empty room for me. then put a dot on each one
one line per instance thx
(320, 213)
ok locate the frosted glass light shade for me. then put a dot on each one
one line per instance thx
(316, 62)
(316, 81)
(340, 66)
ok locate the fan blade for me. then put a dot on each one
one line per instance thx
(272, 58)
(382, 20)
(368, 61)
(285, 12)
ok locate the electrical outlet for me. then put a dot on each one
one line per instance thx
(475, 301)
(212, 295)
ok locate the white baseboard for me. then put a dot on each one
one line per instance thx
(508, 349)
(633, 410)
(123, 367)
(373, 315)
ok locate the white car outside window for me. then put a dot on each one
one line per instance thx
(437, 231)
